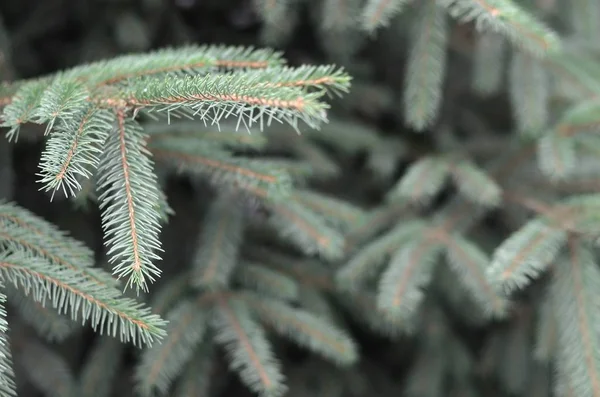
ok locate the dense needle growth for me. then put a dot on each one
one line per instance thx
(487, 227)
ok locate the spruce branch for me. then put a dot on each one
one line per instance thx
(529, 93)
(470, 262)
(306, 230)
(370, 259)
(411, 267)
(580, 118)
(583, 21)
(266, 281)
(69, 291)
(47, 234)
(217, 254)
(7, 384)
(525, 254)
(81, 105)
(24, 231)
(380, 13)
(249, 351)
(305, 329)
(340, 15)
(506, 18)
(338, 213)
(73, 150)
(546, 332)
(197, 377)
(193, 156)
(63, 99)
(475, 184)
(161, 364)
(327, 78)
(245, 95)
(22, 107)
(573, 284)
(557, 156)
(93, 137)
(191, 59)
(574, 74)
(422, 181)
(426, 177)
(129, 192)
(426, 66)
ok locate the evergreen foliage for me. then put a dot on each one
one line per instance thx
(490, 228)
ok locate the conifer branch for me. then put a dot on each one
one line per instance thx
(369, 260)
(546, 332)
(129, 190)
(184, 60)
(580, 118)
(411, 268)
(73, 150)
(213, 97)
(426, 66)
(46, 233)
(7, 383)
(475, 184)
(308, 272)
(247, 348)
(69, 291)
(556, 156)
(22, 230)
(63, 99)
(422, 181)
(508, 19)
(267, 281)
(326, 78)
(196, 379)
(571, 71)
(340, 15)
(526, 254)
(217, 252)
(305, 329)
(574, 282)
(306, 230)
(161, 364)
(529, 93)
(22, 107)
(80, 105)
(338, 213)
(469, 262)
(222, 168)
(379, 13)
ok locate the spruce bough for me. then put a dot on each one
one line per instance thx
(90, 113)
(93, 116)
